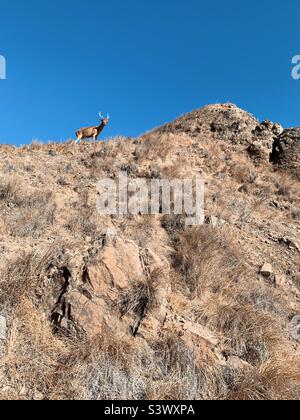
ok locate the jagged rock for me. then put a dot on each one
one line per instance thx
(109, 235)
(277, 129)
(286, 151)
(117, 270)
(264, 136)
(291, 243)
(257, 152)
(122, 261)
(295, 328)
(192, 334)
(237, 363)
(266, 270)
(268, 273)
(268, 126)
(198, 330)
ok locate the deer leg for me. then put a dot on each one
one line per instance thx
(78, 139)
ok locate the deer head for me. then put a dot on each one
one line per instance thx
(103, 120)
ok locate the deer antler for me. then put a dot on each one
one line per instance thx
(102, 118)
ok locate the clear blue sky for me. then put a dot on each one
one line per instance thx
(144, 62)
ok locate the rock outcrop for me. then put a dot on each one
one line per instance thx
(123, 288)
(230, 123)
(286, 151)
(118, 285)
(217, 120)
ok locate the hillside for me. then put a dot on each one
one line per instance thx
(142, 307)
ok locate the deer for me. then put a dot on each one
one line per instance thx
(88, 132)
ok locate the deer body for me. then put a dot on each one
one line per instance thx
(92, 132)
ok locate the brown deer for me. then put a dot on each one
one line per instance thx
(92, 132)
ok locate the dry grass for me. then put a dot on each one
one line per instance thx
(287, 187)
(104, 368)
(186, 375)
(27, 212)
(157, 147)
(277, 379)
(23, 276)
(82, 224)
(233, 302)
(31, 357)
(208, 260)
(39, 365)
(251, 333)
(108, 367)
(243, 171)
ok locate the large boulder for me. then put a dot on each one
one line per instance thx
(286, 151)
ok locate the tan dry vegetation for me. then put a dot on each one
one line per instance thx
(209, 325)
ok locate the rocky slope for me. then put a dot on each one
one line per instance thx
(286, 150)
(139, 306)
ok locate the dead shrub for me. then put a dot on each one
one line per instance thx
(10, 190)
